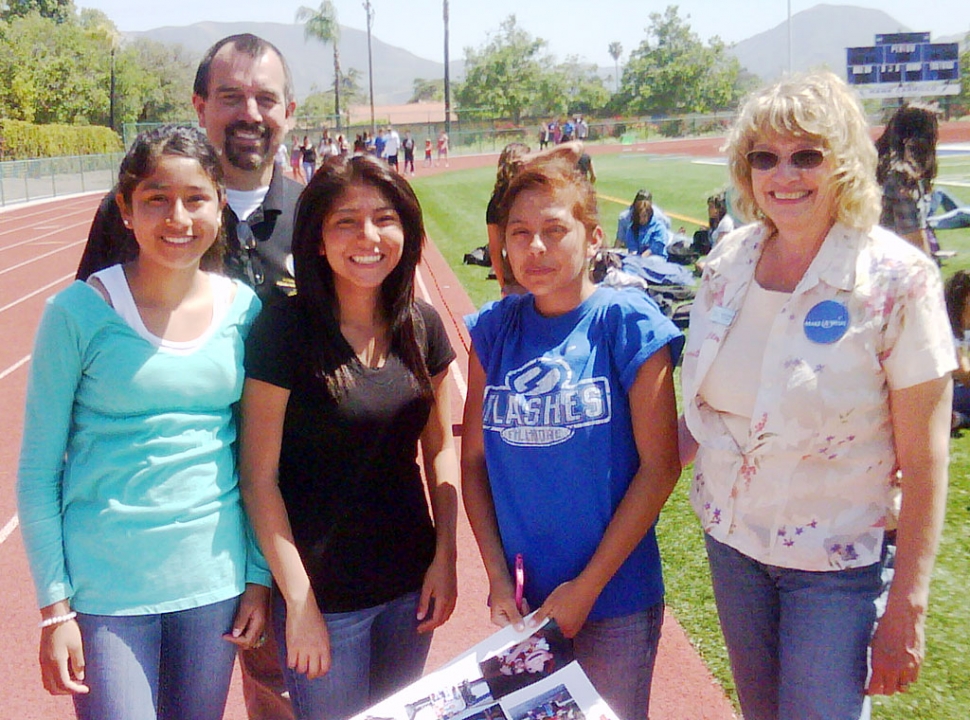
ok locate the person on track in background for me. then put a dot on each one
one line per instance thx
(308, 155)
(282, 158)
(296, 158)
(408, 145)
(443, 148)
(392, 146)
(142, 556)
(244, 99)
(576, 497)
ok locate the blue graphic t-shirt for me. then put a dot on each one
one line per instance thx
(558, 436)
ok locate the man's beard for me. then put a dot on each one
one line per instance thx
(246, 154)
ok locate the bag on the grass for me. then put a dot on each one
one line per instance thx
(701, 243)
(681, 253)
(478, 256)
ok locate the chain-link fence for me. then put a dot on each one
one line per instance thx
(23, 180)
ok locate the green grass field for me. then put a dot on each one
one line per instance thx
(454, 206)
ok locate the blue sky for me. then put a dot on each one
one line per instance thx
(571, 27)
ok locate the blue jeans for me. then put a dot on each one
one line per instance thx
(618, 655)
(798, 640)
(308, 170)
(374, 653)
(173, 666)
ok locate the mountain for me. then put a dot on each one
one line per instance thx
(311, 62)
(820, 36)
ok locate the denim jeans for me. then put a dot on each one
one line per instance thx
(618, 655)
(374, 653)
(798, 640)
(173, 666)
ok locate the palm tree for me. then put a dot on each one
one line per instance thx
(615, 50)
(321, 24)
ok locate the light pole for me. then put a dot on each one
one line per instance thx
(111, 98)
(790, 65)
(370, 65)
(447, 76)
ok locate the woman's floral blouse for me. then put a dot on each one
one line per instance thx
(812, 486)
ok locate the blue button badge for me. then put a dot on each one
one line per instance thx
(826, 322)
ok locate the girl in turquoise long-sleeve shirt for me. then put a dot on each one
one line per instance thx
(140, 550)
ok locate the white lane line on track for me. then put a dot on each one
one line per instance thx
(41, 257)
(8, 529)
(53, 231)
(38, 291)
(39, 203)
(455, 370)
(21, 362)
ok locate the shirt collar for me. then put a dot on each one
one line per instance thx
(273, 203)
(834, 264)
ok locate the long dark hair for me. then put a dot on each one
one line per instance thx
(641, 211)
(316, 293)
(957, 291)
(908, 145)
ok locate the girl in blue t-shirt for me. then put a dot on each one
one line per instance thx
(569, 446)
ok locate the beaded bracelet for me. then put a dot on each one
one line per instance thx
(57, 619)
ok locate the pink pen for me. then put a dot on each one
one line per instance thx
(519, 581)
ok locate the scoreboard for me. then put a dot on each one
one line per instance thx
(902, 65)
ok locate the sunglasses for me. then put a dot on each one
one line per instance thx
(800, 159)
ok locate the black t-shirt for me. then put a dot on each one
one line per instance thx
(348, 471)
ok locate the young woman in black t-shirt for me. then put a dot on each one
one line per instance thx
(343, 381)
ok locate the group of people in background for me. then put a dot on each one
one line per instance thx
(162, 536)
(555, 132)
(305, 157)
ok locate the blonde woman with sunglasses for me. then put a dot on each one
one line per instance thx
(817, 393)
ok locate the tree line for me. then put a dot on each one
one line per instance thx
(57, 63)
(671, 72)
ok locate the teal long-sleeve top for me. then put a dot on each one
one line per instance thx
(127, 489)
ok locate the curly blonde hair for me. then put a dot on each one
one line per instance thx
(821, 107)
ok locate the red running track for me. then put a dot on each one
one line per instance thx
(40, 246)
